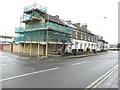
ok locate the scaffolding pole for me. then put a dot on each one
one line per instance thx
(38, 50)
(47, 44)
(46, 50)
(18, 47)
(24, 48)
(30, 49)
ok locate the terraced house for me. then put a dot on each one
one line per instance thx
(102, 45)
(82, 39)
(43, 34)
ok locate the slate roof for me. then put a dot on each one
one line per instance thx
(63, 22)
(52, 18)
(82, 29)
(68, 24)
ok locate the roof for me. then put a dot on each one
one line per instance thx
(54, 19)
(3, 36)
(82, 29)
(51, 18)
(68, 24)
(76, 27)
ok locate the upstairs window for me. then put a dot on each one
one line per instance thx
(74, 34)
(81, 36)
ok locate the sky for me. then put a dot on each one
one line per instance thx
(82, 11)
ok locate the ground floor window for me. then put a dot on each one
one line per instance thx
(85, 46)
(80, 45)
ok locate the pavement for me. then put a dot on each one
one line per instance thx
(113, 80)
(57, 57)
(21, 71)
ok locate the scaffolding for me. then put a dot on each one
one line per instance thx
(47, 25)
(35, 6)
(39, 32)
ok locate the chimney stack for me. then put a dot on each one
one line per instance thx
(69, 21)
(84, 26)
(57, 16)
(77, 24)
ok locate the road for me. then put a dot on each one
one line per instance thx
(20, 71)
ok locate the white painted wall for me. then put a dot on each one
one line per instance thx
(76, 44)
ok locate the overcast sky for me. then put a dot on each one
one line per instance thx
(83, 11)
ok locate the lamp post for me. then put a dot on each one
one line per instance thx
(97, 36)
(47, 36)
(99, 21)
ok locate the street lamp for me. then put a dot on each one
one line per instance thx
(47, 36)
(97, 36)
(98, 22)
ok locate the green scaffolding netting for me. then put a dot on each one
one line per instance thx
(42, 36)
(46, 25)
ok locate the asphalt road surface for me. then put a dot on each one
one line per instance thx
(19, 71)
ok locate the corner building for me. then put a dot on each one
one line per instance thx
(42, 34)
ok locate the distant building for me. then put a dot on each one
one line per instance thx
(102, 45)
(6, 40)
(113, 46)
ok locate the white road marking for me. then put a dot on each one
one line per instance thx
(7, 64)
(12, 63)
(102, 78)
(1, 53)
(78, 63)
(23, 58)
(3, 65)
(3, 56)
(15, 56)
(14, 77)
(50, 59)
(19, 57)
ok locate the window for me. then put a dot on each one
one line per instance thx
(81, 36)
(85, 46)
(88, 38)
(74, 34)
(76, 45)
(92, 38)
(85, 37)
(81, 46)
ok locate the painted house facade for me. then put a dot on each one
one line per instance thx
(102, 45)
(82, 39)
